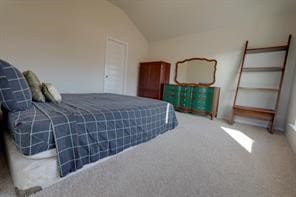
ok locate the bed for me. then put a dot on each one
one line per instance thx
(83, 129)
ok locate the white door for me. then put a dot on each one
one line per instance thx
(115, 66)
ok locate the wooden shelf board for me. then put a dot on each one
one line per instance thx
(262, 69)
(259, 89)
(253, 112)
(254, 109)
(267, 49)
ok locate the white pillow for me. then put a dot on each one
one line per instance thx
(51, 93)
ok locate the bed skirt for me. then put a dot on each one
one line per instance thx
(32, 174)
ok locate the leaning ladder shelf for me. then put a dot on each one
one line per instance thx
(255, 112)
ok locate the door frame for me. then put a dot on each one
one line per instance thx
(110, 38)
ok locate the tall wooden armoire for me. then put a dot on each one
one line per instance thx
(152, 77)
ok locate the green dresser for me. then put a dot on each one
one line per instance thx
(193, 99)
(171, 94)
(185, 101)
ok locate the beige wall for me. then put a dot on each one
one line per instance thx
(225, 44)
(64, 41)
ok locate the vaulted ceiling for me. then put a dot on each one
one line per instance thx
(163, 19)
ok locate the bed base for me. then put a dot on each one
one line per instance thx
(27, 192)
(17, 161)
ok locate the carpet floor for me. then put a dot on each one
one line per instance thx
(199, 158)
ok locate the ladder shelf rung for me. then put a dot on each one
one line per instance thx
(267, 49)
(259, 89)
(254, 109)
(262, 69)
(254, 112)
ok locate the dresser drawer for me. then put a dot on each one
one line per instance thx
(200, 106)
(171, 90)
(171, 93)
(185, 102)
(185, 92)
(171, 87)
(202, 97)
(202, 90)
(171, 97)
(201, 101)
(173, 100)
(186, 88)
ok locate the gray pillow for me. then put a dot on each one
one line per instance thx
(35, 86)
(15, 92)
(51, 93)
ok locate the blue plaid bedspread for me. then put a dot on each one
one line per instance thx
(87, 127)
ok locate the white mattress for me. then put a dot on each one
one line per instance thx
(43, 155)
(29, 172)
(38, 170)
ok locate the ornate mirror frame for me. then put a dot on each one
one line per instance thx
(197, 84)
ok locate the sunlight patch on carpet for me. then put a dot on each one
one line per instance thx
(242, 139)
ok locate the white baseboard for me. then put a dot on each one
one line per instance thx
(291, 136)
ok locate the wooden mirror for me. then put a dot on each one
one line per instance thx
(196, 72)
